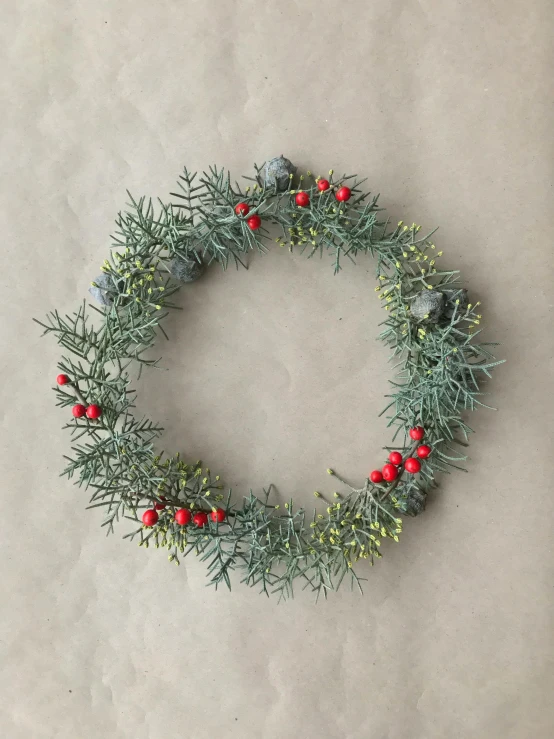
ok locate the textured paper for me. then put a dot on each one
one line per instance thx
(274, 374)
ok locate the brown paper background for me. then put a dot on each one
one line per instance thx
(274, 374)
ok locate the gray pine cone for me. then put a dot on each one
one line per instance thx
(276, 173)
(451, 297)
(104, 289)
(415, 503)
(187, 269)
(428, 305)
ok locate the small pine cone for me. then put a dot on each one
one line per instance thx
(187, 269)
(451, 297)
(414, 503)
(276, 173)
(428, 305)
(104, 289)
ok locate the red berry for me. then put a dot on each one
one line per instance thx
(218, 515)
(343, 194)
(62, 379)
(254, 222)
(376, 476)
(390, 472)
(242, 209)
(412, 465)
(323, 185)
(150, 517)
(417, 433)
(395, 458)
(183, 516)
(78, 410)
(423, 451)
(160, 506)
(94, 411)
(302, 199)
(200, 519)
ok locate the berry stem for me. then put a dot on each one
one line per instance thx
(78, 394)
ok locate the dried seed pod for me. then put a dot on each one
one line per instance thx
(276, 173)
(187, 269)
(428, 305)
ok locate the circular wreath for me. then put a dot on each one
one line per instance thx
(175, 503)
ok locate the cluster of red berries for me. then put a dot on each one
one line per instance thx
(412, 465)
(254, 222)
(92, 411)
(79, 410)
(302, 199)
(183, 516)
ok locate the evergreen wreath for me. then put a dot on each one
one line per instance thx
(430, 327)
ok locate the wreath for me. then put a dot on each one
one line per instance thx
(430, 326)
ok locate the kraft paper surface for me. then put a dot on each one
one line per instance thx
(273, 374)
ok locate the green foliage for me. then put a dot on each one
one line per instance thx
(439, 370)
